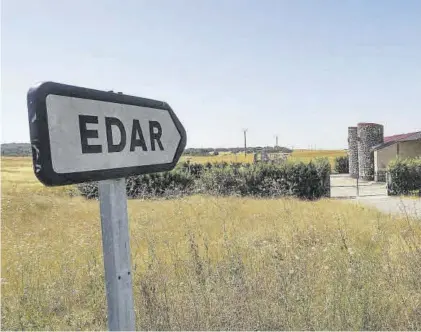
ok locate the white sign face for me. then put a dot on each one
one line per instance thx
(87, 135)
(79, 134)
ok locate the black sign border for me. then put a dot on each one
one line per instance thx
(40, 138)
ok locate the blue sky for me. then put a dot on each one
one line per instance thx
(304, 70)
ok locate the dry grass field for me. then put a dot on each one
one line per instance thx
(208, 263)
(297, 155)
(307, 155)
(227, 157)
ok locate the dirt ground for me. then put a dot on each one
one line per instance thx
(373, 194)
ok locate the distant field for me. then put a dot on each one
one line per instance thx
(297, 155)
(207, 263)
(307, 155)
(227, 157)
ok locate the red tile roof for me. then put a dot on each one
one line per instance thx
(399, 137)
(367, 124)
(389, 140)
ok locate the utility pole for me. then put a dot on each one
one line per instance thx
(245, 142)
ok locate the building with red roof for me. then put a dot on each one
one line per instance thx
(370, 152)
(402, 145)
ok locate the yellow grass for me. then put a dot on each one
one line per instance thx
(208, 263)
(227, 157)
(307, 155)
(297, 155)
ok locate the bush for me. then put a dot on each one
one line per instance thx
(221, 181)
(342, 165)
(309, 181)
(165, 184)
(195, 170)
(404, 176)
(324, 170)
(88, 189)
(301, 180)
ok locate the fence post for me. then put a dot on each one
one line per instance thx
(358, 188)
(327, 185)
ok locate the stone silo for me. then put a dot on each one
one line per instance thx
(369, 135)
(353, 151)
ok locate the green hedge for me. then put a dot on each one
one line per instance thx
(342, 165)
(404, 176)
(308, 181)
(164, 184)
(301, 180)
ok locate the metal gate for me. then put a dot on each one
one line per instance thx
(344, 186)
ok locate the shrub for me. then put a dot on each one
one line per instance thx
(195, 169)
(264, 180)
(221, 181)
(165, 184)
(342, 164)
(88, 189)
(301, 180)
(324, 169)
(404, 176)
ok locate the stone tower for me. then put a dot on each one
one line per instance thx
(353, 151)
(369, 135)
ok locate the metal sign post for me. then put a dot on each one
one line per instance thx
(80, 135)
(116, 249)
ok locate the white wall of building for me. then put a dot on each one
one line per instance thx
(410, 149)
(383, 156)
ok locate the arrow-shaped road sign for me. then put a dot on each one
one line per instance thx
(80, 134)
